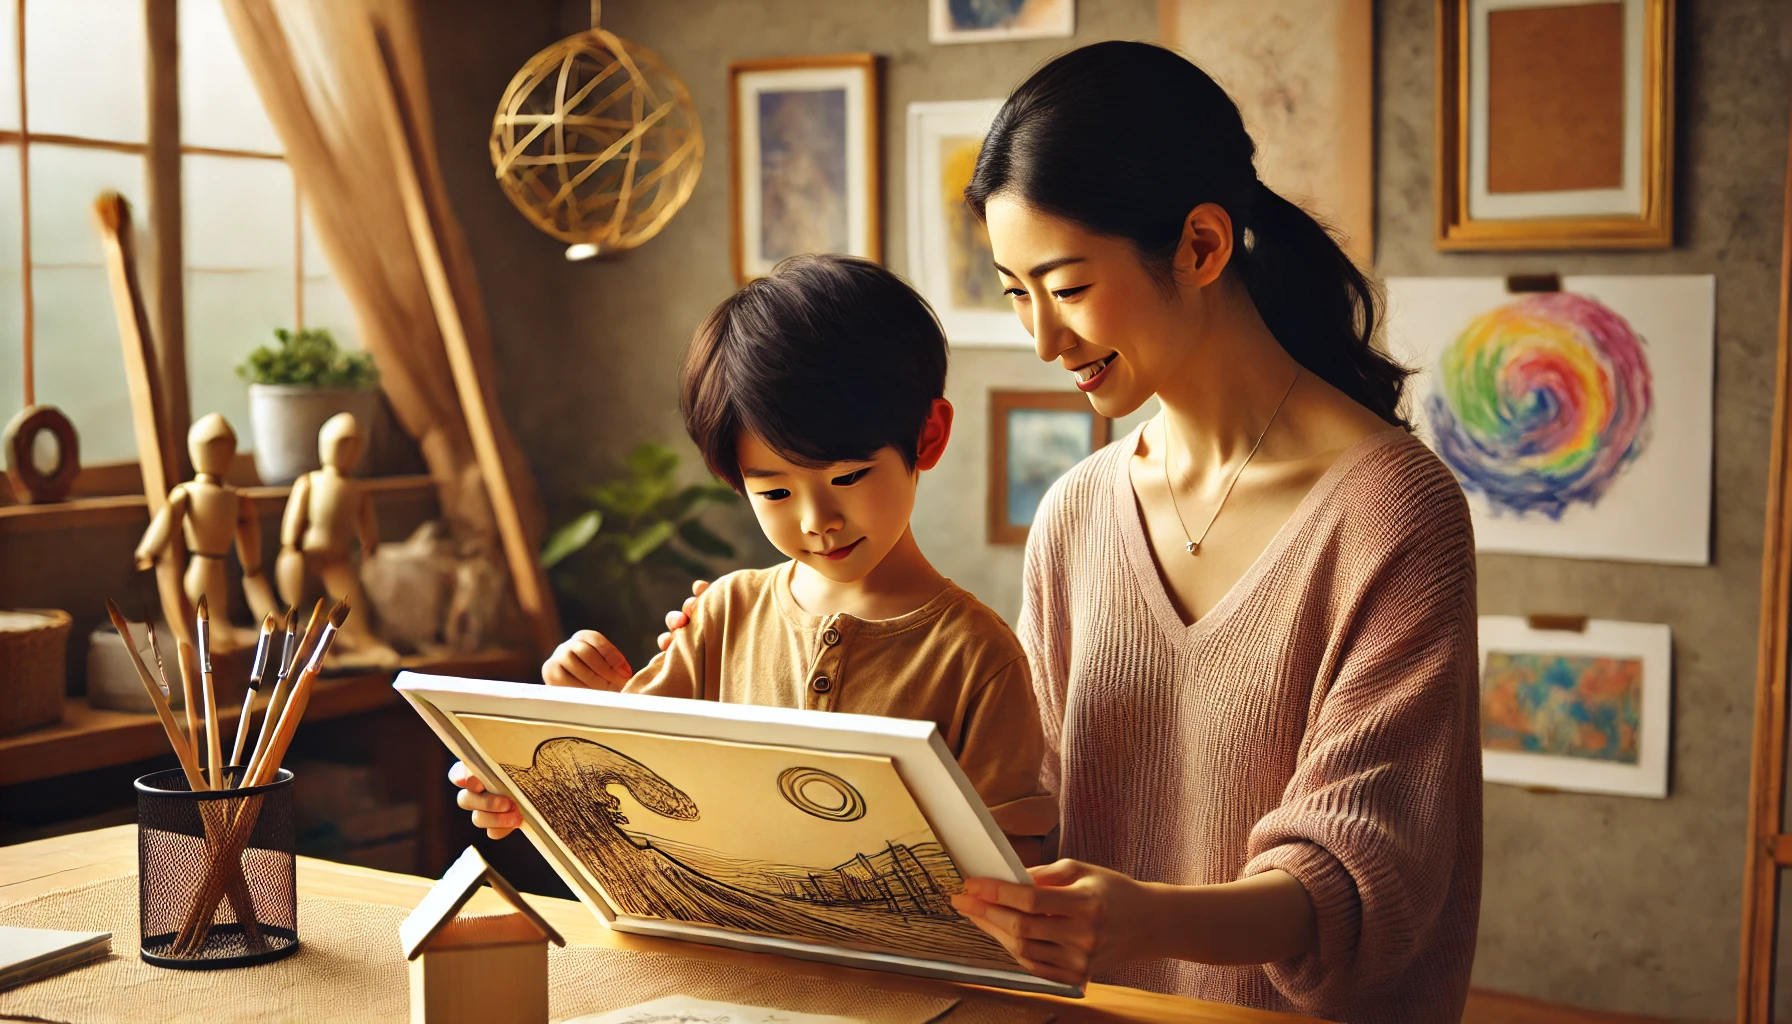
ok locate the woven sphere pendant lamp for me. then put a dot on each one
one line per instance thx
(597, 142)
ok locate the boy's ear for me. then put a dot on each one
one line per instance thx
(935, 432)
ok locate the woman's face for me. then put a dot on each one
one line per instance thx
(1093, 308)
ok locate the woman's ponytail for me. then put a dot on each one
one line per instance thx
(1056, 143)
(1318, 304)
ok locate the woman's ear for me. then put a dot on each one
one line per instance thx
(1206, 245)
(935, 432)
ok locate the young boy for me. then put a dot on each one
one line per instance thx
(817, 393)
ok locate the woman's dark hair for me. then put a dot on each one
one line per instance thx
(828, 359)
(1125, 139)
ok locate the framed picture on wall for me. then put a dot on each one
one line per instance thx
(949, 259)
(1555, 124)
(988, 21)
(1569, 703)
(1034, 438)
(803, 148)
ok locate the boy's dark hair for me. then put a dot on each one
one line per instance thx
(827, 359)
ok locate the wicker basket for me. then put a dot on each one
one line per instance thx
(33, 667)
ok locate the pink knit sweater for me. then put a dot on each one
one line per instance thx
(1322, 719)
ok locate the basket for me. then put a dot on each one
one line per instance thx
(33, 667)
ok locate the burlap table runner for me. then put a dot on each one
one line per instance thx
(351, 968)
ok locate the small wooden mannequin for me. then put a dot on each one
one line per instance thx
(210, 513)
(327, 512)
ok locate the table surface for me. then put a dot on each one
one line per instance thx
(28, 869)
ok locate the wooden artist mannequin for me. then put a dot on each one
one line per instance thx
(210, 513)
(327, 512)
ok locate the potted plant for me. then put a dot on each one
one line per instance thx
(639, 529)
(294, 386)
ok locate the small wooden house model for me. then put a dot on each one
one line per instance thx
(486, 969)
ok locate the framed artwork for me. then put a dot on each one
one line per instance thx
(988, 21)
(949, 257)
(803, 147)
(1578, 420)
(1585, 707)
(1303, 75)
(806, 833)
(1555, 124)
(1034, 438)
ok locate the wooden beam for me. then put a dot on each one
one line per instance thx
(162, 180)
(1767, 772)
(425, 216)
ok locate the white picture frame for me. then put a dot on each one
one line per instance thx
(931, 776)
(948, 249)
(1028, 19)
(1646, 775)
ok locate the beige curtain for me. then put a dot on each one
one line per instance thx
(317, 67)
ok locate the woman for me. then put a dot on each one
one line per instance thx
(1251, 623)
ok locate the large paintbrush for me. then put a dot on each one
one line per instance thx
(263, 645)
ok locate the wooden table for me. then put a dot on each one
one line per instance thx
(28, 869)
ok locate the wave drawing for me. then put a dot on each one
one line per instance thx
(892, 899)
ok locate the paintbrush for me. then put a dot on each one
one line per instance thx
(262, 645)
(301, 695)
(270, 715)
(214, 757)
(158, 697)
(282, 695)
(189, 669)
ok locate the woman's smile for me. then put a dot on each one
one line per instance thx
(1090, 375)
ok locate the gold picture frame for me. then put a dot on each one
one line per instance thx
(846, 159)
(1637, 213)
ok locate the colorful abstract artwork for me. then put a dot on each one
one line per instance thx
(802, 172)
(1578, 421)
(982, 21)
(949, 258)
(1561, 704)
(1583, 708)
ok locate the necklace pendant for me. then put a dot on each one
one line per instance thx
(1193, 547)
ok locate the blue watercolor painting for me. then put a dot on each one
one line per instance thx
(1042, 446)
(802, 172)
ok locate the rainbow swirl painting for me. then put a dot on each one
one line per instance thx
(1541, 403)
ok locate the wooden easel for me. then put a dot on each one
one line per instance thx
(1769, 844)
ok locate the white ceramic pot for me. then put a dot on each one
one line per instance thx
(287, 417)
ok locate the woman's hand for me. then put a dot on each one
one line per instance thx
(587, 659)
(496, 814)
(1075, 920)
(677, 620)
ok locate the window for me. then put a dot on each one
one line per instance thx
(81, 126)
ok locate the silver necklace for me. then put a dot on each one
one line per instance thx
(1194, 543)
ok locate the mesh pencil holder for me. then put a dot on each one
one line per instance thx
(215, 873)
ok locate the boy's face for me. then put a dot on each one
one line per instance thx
(841, 519)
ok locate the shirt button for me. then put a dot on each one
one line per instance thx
(821, 684)
(831, 636)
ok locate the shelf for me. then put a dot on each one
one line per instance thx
(121, 509)
(88, 738)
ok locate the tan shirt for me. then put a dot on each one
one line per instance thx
(952, 662)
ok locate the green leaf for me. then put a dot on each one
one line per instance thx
(571, 538)
(643, 543)
(703, 541)
(670, 557)
(652, 462)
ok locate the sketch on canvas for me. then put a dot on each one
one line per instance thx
(1302, 74)
(1579, 421)
(982, 21)
(802, 172)
(817, 846)
(1576, 709)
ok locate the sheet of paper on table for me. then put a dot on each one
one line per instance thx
(690, 1010)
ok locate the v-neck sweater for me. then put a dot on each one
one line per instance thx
(1322, 719)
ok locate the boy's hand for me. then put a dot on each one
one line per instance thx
(496, 814)
(587, 659)
(677, 620)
